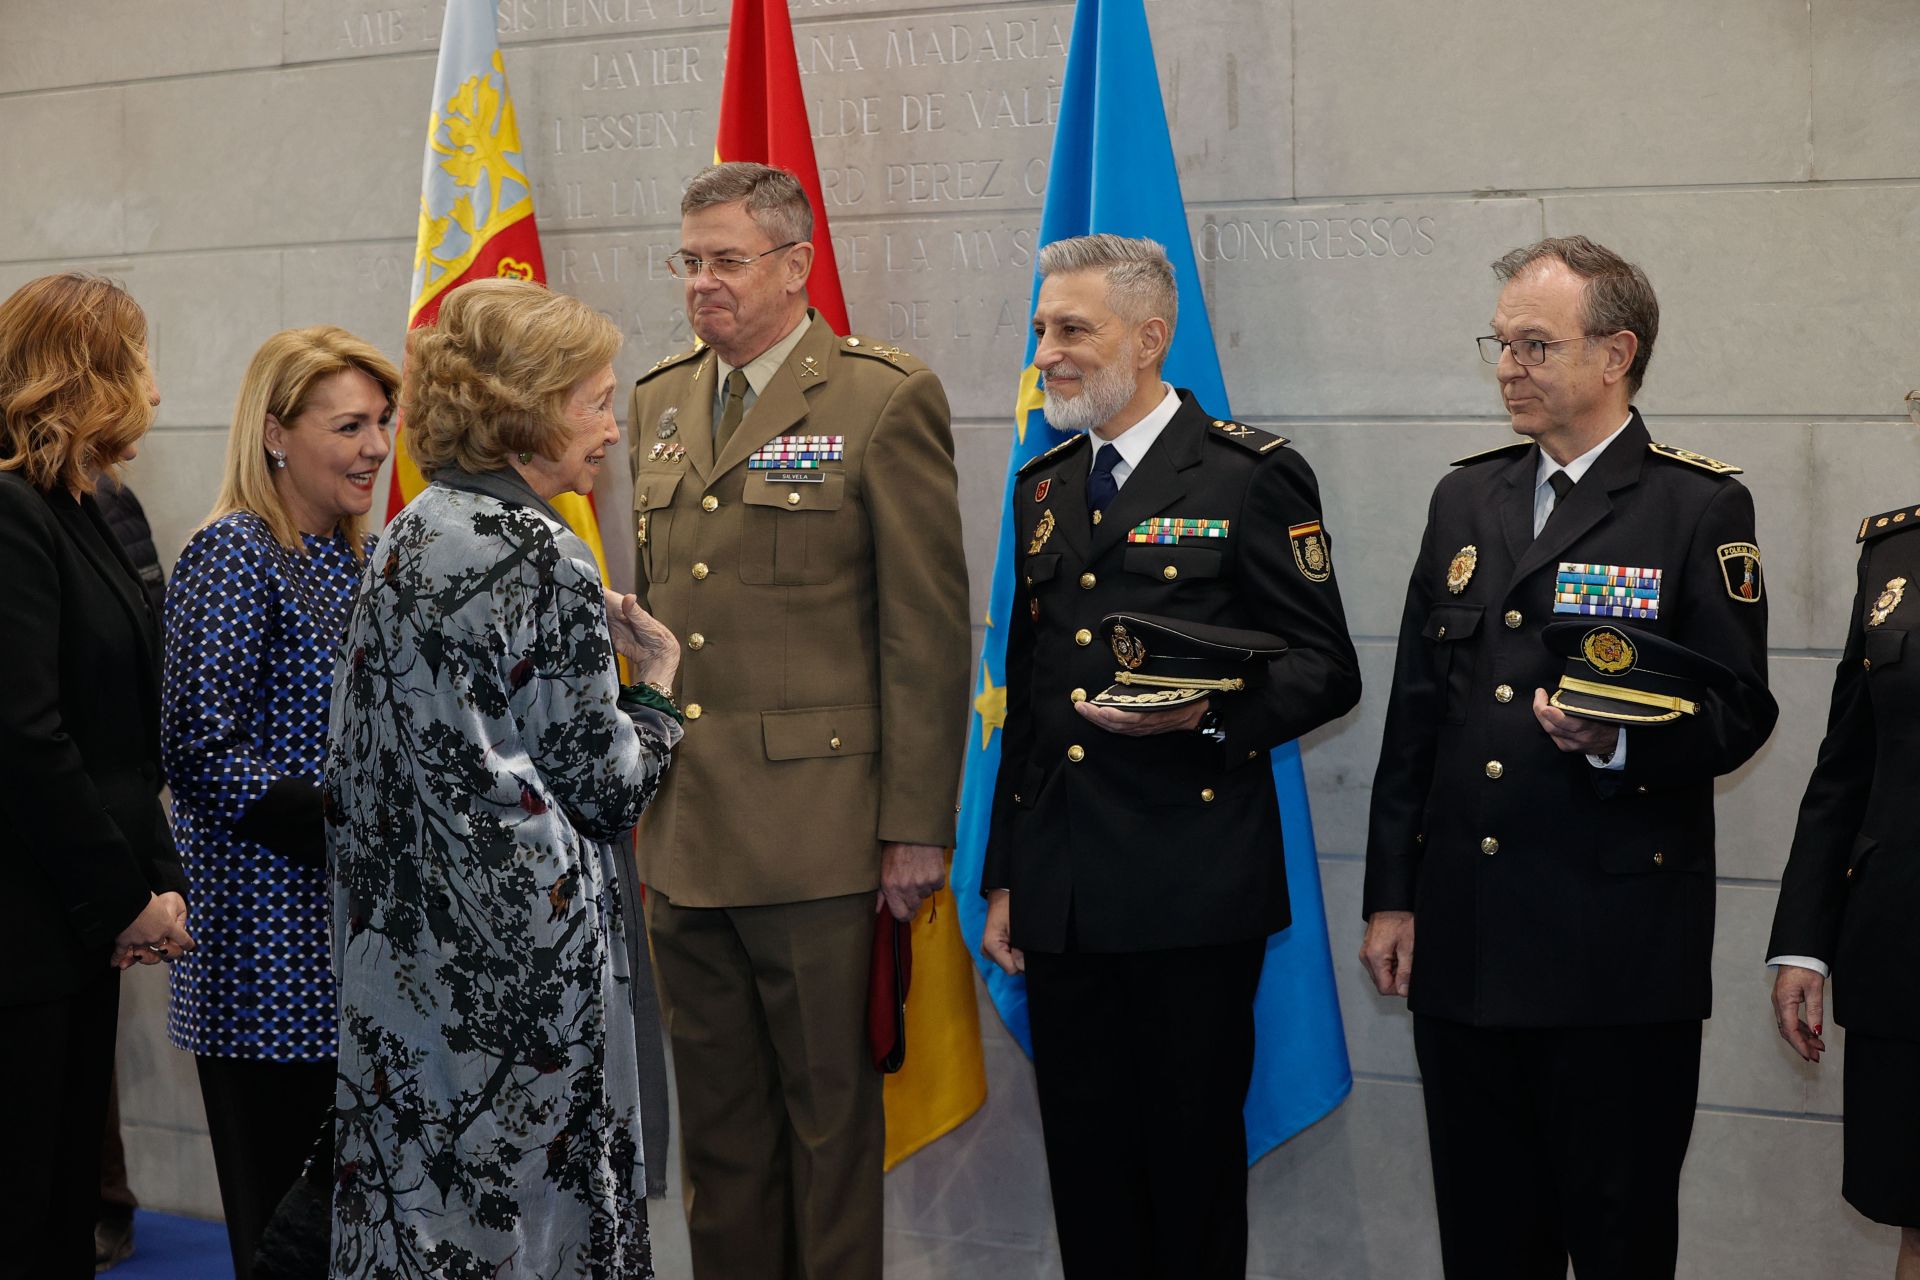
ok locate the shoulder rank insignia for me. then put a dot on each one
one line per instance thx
(1078, 437)
(1740, 571)
(1692, 459)
(1889, 600)
(899, 359)
(668, 362)
(1486, 455)
(1248, 437)
(1888, 522)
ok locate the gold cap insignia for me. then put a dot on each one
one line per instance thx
(1128, 650)
(1607, 651)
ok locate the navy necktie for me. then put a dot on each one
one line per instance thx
(1559, 482)
(1101, 486)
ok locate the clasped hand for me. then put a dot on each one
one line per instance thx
(158, 933)
(643, 640)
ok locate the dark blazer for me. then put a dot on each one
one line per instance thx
(1170, 840)
(1851, 892)
(1533, 876)
(84, 833)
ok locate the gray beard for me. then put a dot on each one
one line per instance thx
(1103, 394)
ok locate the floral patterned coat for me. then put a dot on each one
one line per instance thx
(481, 761)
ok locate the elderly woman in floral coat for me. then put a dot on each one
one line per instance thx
(483, 760)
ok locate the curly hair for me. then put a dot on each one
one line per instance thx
(279, 381)
(73, 364)
(492, 375)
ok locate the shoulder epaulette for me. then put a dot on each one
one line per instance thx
(1504, 451)
(1889, 522)
(668, 362)
(1247, 437)
(903, 361)
(1077, 437)
(1692, 459)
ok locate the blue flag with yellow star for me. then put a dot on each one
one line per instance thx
(1113, 171)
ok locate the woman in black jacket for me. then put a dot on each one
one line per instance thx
(95, 886)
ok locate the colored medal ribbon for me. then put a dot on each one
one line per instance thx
(1606, 590)
(797, 453)
(1174, 528)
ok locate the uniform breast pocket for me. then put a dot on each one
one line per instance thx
(1885, 647)
(653, 519)
(1172, 563)
(1449, 627)
(796, 534)
(1039, 569)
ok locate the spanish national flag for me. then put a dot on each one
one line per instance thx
(763, 117)
(476, 209)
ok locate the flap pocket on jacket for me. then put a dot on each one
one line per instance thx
(1040, 568)
(1172, 563)
(1452, 621)
(812, 732)
(654, 489)
(825, 494)
(1884, 647)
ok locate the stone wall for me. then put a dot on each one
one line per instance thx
(1350, 167)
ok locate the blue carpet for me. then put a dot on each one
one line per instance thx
(170, 1248)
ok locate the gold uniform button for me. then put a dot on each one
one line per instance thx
(1495, 768)
(793, 499)
(696, 641)
(709, 503)
(1078, 695)
(1489, 846)
(1659, 859)
(1206, 795)
(1513, 619)
(1252, 755)
(693, 711)
(1170, 573)
(1849, 873)
(1866, 664)
(1503, 693)
(1083, 637)
(1441, 634)
(834, 742)
(1076, 753)
(1087, 580)
(700, 572)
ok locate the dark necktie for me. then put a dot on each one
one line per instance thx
(1559, 482)
(736, 409)
(1101, 486)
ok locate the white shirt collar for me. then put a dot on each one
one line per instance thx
(1134, 442)
(1546, 466)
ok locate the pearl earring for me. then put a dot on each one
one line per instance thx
(279, 459)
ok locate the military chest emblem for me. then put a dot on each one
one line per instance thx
(1460, 571)
(1889, 600)
(1607, 590)
(1310, 551)
(1040, 490)
(1740, 570)
(639, 530)
(669, 422)
(1042, 531)
(1607, 651)
(668, 451)
(1165, 529)
(797, 453)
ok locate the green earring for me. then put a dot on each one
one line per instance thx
(526, 456)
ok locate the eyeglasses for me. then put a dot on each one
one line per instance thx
(1913, 406)
(687, 267)
(1527, 351)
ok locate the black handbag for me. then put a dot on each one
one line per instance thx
(297, 1239)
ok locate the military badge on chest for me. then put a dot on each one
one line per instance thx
(1888, 600)
(1042, 532)
(1310, 551)
(1460, 571)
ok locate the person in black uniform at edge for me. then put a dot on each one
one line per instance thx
(1134, 867)
(1850, 894)
(1561, 868)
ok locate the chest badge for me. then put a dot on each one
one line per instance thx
(672, 451)
(809, 367)
(1040, 490)
(1042, 531)
(1889, 600)
(1460, 572)
(639, 530)
(1310, 552)
(669, 422)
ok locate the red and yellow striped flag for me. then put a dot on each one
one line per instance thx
(763, 117)
(476, 209)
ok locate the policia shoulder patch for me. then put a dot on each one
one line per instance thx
(1740, 571)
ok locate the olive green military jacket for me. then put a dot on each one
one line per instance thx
(822, 614)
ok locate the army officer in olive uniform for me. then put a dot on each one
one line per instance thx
(1560, 869)
(797, 526)
(1134, 866)
(1850, 896)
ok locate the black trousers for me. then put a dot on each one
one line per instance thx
(54, 1072)
(1558, 1143)
(1142, 1061)
(263, 1118)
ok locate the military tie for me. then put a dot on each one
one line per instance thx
(1101, 486)
(1560, 482)
(736, 409)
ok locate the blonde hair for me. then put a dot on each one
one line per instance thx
(491, 376)
(73, 397)
(279, 381)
